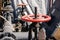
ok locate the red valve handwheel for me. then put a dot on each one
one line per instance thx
(40, 18)
(21, 4)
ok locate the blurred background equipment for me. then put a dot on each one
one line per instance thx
(15, 14)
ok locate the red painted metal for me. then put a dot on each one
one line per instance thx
(40, 18)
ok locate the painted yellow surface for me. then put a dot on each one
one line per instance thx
(56, 33)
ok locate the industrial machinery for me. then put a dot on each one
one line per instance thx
(29, 20)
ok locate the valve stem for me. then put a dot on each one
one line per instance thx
(35, 12)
